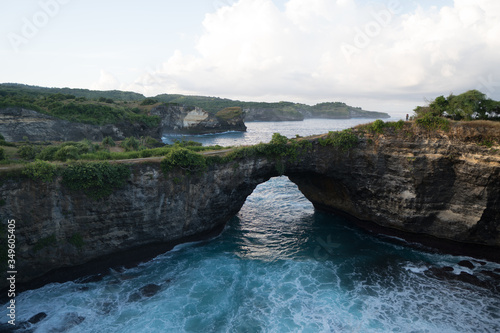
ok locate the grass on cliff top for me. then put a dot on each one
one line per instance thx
(229, 113)
(131, 148)
(481, 132)
(100, 111)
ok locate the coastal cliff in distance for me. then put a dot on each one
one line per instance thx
(116, 108)
(17, 123)
(194, 120)
(278, 111)
(439, 184)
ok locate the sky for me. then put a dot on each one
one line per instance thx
(381, 55)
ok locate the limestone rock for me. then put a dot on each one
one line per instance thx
(442, 186)
(188, 119)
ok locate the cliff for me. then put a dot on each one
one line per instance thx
(17, 123)
(278, 111)
(443, 185)
(299, 113)
(153, 210)
(272, 114)
(440, 184)
(190, 119)
(339, 110)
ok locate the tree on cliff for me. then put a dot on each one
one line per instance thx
(472, 104)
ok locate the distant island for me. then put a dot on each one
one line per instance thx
(132, 105)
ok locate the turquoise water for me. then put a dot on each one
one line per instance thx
(279, 266)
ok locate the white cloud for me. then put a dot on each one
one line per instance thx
(107, 81)
(317, 50)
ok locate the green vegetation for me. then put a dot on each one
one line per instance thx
(184, 159)
(342, 110)
(2, 154)
(150, 142)
(40, 171)
(108, 142)
(470, 105)
(229, 113)
(7, 144)
(289, 109)
(149, 101)
(99, 110)
(378, 126)
(279, 148)
(76, 240)
(96, 179)
(432, 122)
(27, 151)
(23, 89)
(108, 107)
(66, 151)
(130, 144)
(343, 140)
(48, 153)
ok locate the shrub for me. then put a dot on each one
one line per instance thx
(430, 122)
(229, 113)
(130, 143)
(47, 153)
(95, 179)
(27, 152)
(184, 159)
(86, 146)
(277, 147)
(6, 144)
(184, 143)
(343, 140)
(108, 142)
(398, 125)
(2, 154)
(67, 153)
(77, 240)
(40, 171)
(149, 101)
(100, 155)
(152, 142)
(105, 100)
(377, 126)
(2, 137)
(146, 153)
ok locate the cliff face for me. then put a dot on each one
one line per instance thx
(185, 119)
(151, 209)
(434, 185)
(443, 185)
(263, 114)
(299, 114)
(17, 123)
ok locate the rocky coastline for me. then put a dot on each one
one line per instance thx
(430, 184)
(18, 124)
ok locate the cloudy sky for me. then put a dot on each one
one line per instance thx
(386, 55)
